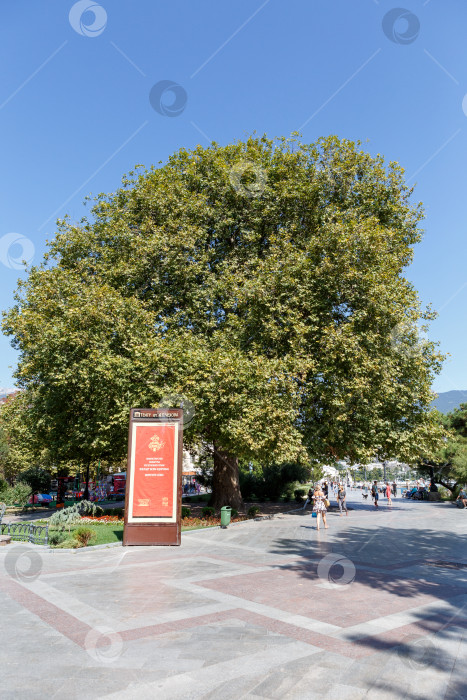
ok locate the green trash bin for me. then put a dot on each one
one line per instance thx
(225, 515)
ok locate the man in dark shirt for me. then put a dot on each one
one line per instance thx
(341, 497)
(374, 493)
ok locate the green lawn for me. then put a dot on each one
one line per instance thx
(107, 533)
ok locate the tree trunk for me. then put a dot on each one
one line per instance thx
(86, 486)
(225, 482)
(435, 475)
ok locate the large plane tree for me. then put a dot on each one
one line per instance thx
(263, 281)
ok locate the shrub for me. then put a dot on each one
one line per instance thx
(233, 513)
(202, 498)
(19, 493)
(56, 537)
(84, 535)
(68, 544)
(299, 495)
(186, 512)
(248, 482)
(253, 511)
(88, 508)
(118, 512)
(272, 480)
(208, 512)
(72, 515)
(36, 478)
(444, 493)
(65, 518)
(289, 493)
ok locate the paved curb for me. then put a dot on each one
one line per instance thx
(58, 550)
(46, 549)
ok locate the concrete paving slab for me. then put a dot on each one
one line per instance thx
(270, 609)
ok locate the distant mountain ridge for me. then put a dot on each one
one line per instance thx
(447, 401)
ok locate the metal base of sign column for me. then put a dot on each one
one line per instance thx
(150, 535)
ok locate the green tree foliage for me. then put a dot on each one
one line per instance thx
(20, 447)
(18, 494)
(448, 464)
(3, 490)
(375, 474)
(263, 281)
(4, 448)
(272, 481)
(38, 479)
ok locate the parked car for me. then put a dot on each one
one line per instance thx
(41, 499)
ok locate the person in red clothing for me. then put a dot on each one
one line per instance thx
(388, 493)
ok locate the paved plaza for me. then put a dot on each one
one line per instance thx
(374, 607)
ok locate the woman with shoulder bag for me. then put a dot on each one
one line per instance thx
(319, 506)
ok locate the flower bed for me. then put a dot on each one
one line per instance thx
(191, 521)
(109, 529)
(207, 522)
(101, 519)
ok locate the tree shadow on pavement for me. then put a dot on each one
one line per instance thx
(377, 570)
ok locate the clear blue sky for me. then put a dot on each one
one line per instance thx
(75, 112)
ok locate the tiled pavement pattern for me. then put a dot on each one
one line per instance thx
(261, 610)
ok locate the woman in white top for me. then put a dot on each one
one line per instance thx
(319, 506)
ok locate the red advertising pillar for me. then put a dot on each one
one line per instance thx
(154, 477)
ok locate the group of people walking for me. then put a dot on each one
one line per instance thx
(387, 491)
(321, 502)
(319, 496)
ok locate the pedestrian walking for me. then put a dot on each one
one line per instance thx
(394, 489)
(388, 493)
(341, 499)
(319, 506)
(374, 493)
(326, 489)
